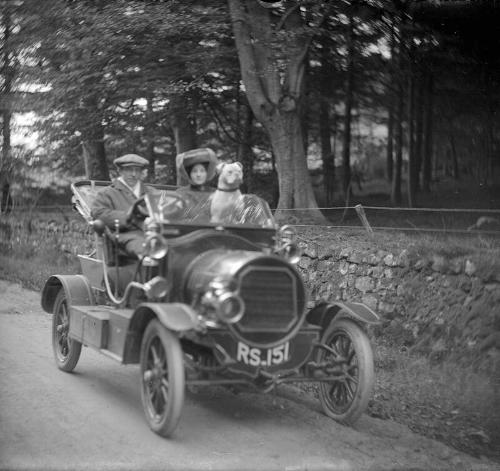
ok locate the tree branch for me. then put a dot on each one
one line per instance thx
(219, 120)
(246, 55)
(296, 69)
(285, 16)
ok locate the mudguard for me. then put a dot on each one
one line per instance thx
(77, 288)
(324, 313)
(177, 317)
(174, 316)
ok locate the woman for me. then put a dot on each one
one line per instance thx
(198, 167)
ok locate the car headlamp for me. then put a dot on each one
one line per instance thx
(286, 244)
(222, 298)
(156, 288)
(230, 308)
(155, 246)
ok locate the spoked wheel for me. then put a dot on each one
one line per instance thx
(162, 377)
(345, 396)
(66, 350)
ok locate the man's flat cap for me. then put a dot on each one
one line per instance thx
(131, 160)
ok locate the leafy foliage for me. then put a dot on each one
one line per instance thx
(107, 77)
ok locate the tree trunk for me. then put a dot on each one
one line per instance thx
(490, 141)
(93, 138)
(327, 153)
(94, 148)
(276, 101)
(5, 156)
(183, 128)
(334, 118)
(437, 166)
(151, 157)
(428, 135)
(6, 201)
(419, 123)
(327, 156)
(6, 142)
(304, 120)
(389, 166)
(86, 160)
(389, 163)
(453, 153)
(245, 153)
(287, 144)
(396, 197)
(346, 147)
(411, 178)
(150, 144)
(489, 128)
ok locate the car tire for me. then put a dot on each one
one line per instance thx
(66, 350)
(162, 378)
(346, 399)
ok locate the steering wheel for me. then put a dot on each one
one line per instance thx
(137, 211)
(172, 205)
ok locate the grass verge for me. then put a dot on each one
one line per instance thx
(447, 402)
(34, 271)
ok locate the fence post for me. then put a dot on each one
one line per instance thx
(361, 213)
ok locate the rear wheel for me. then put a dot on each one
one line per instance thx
(66, 350)
(348, 353)
(162, 378)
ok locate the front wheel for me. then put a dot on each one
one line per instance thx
(162, 378)
(348, 355)
(66, 350)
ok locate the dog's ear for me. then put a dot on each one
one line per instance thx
(219, 167)
(239, 164)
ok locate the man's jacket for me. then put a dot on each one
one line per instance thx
(113, 202)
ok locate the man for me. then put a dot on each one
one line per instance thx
(113, 202)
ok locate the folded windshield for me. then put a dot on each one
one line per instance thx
(168, 206)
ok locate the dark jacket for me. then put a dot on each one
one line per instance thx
(195, 194)
(113, 202)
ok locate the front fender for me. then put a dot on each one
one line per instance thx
(177, 317)
(76, 287)
(324, 313)
(174, 316)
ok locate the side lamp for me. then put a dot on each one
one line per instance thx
(286, 244)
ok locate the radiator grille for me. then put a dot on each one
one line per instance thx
(270, 295)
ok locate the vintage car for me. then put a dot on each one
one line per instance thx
(209, 303)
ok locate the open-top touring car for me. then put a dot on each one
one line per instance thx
(208, 304)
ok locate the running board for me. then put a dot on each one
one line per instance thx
(112, 355)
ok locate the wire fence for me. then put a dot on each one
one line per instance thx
(464, 221)
(459, 221)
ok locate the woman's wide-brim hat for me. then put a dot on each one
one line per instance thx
(185, 161)
(197, 156)
(131, 160)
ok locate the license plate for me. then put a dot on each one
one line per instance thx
(262, 356)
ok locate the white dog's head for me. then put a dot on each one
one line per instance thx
(230, 175)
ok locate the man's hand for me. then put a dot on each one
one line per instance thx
(137, 212)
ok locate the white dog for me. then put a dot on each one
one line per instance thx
(226, 198)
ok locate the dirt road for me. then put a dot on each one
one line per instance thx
(92, 419)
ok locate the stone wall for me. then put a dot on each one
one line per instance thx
(440, 307)
(26, 234)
